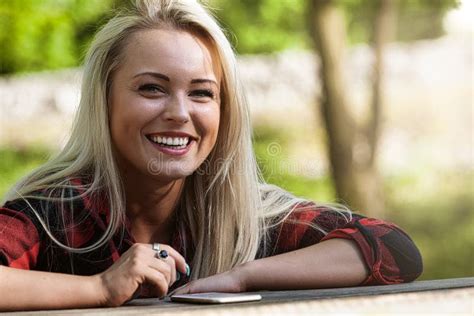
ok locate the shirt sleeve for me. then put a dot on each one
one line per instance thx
(389, 253)
(19, 238)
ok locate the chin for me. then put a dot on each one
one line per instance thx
(172, 176)
(170, 172)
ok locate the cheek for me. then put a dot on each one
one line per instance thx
(121, 122)
(210, 122)
(127, 117)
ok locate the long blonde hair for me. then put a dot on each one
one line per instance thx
(225, 203)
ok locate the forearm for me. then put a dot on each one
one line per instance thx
(332, 263)
(27, 290)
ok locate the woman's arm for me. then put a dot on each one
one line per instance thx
(359, 251)
(332, 263)
(30, 290)
(27, 290)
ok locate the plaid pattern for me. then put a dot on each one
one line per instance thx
(390, 254)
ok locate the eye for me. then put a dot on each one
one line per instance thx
(150, 88)
(203, 93)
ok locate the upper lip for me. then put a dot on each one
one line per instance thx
(172, 134)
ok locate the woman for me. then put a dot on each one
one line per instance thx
(158, 187)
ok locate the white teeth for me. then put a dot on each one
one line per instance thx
(171, 141)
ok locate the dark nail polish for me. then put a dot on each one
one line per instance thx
(188, 270)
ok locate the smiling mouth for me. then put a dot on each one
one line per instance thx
(170, 142)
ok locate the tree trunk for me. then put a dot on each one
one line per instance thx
(383, 33)
(352, 150)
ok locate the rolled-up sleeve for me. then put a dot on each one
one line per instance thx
(389, 253)
(19, 240)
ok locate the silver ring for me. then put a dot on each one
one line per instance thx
(159, 253)
(156, 248)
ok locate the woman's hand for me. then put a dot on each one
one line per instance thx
(136, 267)
(232, 281)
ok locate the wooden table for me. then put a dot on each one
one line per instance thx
(437, 297)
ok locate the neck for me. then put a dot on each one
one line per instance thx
(151, 208)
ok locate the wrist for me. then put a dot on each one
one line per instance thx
(98, 289)
(243, 274)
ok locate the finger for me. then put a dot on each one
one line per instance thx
(181, 290)
(143, 250)
(158, 282)
(169, 260)
(149, 257)
(172, 265)
(175, 291)
(180, 262)
(160, 266)
(178, 258)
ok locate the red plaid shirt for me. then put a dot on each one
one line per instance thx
(389, 253)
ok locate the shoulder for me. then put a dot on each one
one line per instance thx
(35, 226)
(325, 216)
(305, 223)
(20, 213)
(55, 207)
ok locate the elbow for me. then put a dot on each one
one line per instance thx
(413, 266)
(406, 258)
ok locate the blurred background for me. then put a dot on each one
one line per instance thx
(363, 102)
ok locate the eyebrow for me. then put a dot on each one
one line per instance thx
(166, 78)
(204, 81)
(153, 74)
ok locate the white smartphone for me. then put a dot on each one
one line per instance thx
(215, 298)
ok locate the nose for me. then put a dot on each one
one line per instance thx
(176, 110)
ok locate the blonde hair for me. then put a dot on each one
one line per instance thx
(227, 206)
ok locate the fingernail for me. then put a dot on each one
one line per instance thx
(188, 270)
(178, 275)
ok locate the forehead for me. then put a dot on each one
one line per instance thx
(172, 52)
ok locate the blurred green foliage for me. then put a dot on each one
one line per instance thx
(263, 26)
(47, 34)
(51, 34)
(416, 19)
(16, 163)
(274, 170)
(436, 209)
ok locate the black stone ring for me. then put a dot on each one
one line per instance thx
(163, 254)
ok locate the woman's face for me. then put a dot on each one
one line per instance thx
(164, 104)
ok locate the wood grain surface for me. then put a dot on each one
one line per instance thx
(436, 297)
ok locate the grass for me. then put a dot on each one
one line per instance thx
(16, 163)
